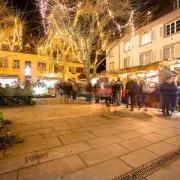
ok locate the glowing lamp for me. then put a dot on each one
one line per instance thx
(27, 71)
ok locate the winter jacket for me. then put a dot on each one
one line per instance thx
(168, 91)
(133, 87)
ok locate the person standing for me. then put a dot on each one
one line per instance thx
(89, 90)
(74, 90)
(133, 90)
(113, 85)
(167, 90)
(96, 91)
(174, 97)
(142, 95)
(119, 88)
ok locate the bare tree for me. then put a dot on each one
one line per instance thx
(59, 51)
(88, 24)
(11, 28)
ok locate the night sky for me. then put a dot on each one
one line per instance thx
(33, 18)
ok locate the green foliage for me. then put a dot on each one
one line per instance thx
(8, 140)
(16, 96)
(1, 119)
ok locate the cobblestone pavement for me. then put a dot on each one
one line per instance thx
(85, 142)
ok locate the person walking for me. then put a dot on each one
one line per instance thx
(119, 88)
(133, 90)
(167, 90)
(89, 90)
(127, 97)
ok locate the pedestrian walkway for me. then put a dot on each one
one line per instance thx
(84, 142)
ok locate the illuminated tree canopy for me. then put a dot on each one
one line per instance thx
(86, 25)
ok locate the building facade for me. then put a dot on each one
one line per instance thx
(157, 41)
(16, 66)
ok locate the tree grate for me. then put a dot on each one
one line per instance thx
(153, 166)
(36, 157)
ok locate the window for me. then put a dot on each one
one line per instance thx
(3, 63)
(169, 52)
(41, 66)
(28, 64)
(80, 70)
(126, 62)
(111, 66)
(58, 69)
(145, 58)
(16, 64)
(173, 27)
(127, 46)
(176, 4)
(146, 38)
(72, 70)
(111, 53)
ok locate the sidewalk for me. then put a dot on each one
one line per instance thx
(84, 142)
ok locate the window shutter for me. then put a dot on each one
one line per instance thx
(161, 31)
(161, 55)
(153, 56)
(177, 50)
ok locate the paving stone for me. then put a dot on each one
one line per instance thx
(175, 141)
(153, 137)
(161, 148)
(105, 131)
(102, 154)
(34, 138)
(171, 172)
(138, 158)
(9, 176)
(15, 163)
(76, 137)
(85, 129)
(134, 144)
(163, 125)
(59, 133)
(170, 132)
(50, 118)
(103, 171)
(67, 127)
(32, 146)
(38, 131)
(63, 151)
(148, 130)
(52, 170)
(103, 141)
(23, 127)
(129, 135)
(127, 127)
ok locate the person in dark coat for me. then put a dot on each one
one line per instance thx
(119, 88)
(133, 91)
(113, 85)
(89, 90)
(127, 97)
(96, 91)
(167, 90)
(142, 95)
(174, 97)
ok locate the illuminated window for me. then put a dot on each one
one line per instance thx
(126, 62)
(58, 69)
(173, 27)
(3, 63)
(41, 66)
(145, 58)
(16, 64)
(127, 46)
(146, 38)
